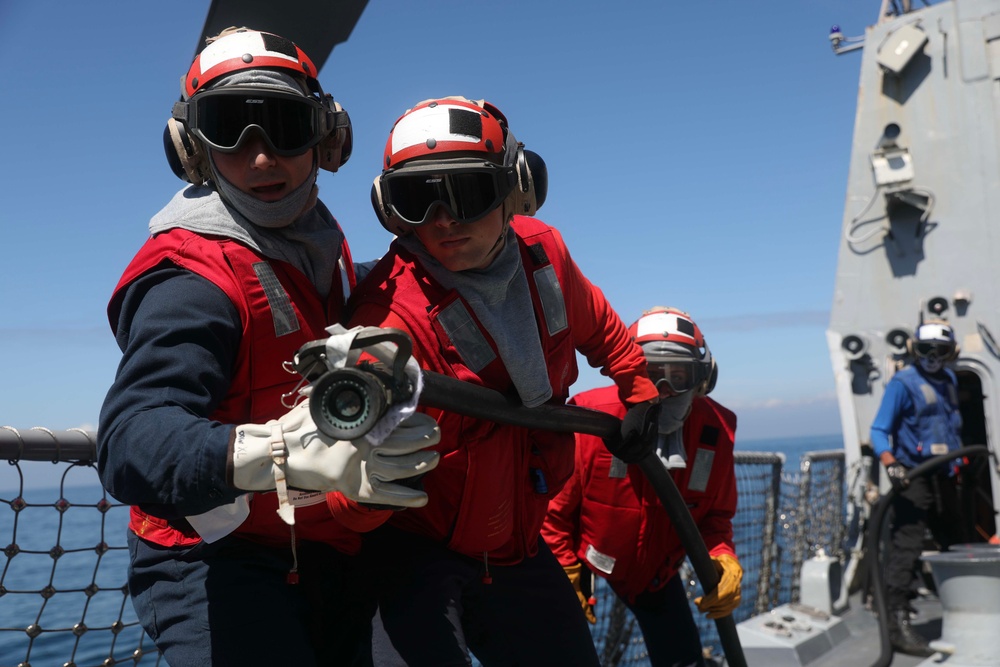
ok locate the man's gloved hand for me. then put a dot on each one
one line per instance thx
(315, 462)
(897, 475)
(726, 597)
(574, 572)
(638, 433)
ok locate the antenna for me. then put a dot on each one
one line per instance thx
(843, 44)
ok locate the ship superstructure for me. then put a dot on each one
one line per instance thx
(920, 237)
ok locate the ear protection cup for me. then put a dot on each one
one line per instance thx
(532, 175)
(713, 377)
(185, 154)
(538, 175)
(335, 149)
(171, 153)
(528, 166)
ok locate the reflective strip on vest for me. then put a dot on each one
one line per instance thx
(282, 312)
(701, 470)
(345, 278)
(618, 468)
(466, 336)
(551, 296)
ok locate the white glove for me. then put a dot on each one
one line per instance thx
(294, 451)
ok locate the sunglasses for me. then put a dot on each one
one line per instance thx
(468, 191)
(939, 350)
(290, 123)
(680, 376)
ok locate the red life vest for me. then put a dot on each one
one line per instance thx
(623, 532)
(491, 489)
(280, 311)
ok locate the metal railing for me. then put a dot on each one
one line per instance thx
(63, 598)
(774, 534)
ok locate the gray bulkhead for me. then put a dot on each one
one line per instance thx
(919, 237)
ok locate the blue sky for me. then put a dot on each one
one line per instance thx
(697, 157)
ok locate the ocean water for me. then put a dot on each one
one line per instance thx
(56, 573)
(63, 567)
(792, 447)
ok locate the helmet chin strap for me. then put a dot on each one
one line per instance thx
(498, 246)
(508, 217)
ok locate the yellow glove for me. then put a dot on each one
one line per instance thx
(574, 572)
(726, 597)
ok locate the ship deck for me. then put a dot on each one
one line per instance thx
(789, 637)
(863, 646)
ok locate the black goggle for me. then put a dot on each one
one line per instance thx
(290, 123)
(680, 376)
(468, 192)
(936, 350)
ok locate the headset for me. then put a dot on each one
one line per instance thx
(532, 183)
(713, 376)
(526, 197)
(188, 156)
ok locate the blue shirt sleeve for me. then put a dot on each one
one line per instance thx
(362, 269)
(895, 402)
(157, 446)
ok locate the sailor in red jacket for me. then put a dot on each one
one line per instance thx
(608, 521)
(492, 297)
(198, 431)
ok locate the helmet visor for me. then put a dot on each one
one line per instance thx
(934, 350)
(467, 192)
(290, 123)
(680, 376)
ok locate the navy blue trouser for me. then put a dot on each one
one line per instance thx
(435, 608)
(930, 502)
(668, 626)
(229, 603)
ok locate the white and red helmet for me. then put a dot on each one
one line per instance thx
(246, 49)
(675, 349)
(223, 97)
(454, 126)
(458, 153)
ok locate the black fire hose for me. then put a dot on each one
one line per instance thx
(446, 393)
(874, 538)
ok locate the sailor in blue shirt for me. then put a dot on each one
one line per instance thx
(918, 419)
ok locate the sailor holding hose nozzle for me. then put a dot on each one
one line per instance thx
(491, 297)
